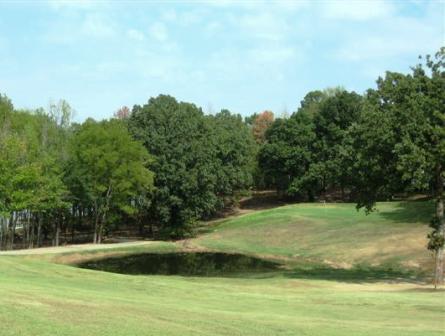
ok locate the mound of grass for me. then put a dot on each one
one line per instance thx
(335, 235)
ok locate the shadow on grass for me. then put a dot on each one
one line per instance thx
(356, 274)
(410, 212)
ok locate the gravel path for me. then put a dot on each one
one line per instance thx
(73, 248)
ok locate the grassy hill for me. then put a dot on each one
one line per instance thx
(340, 273)
(336, 235)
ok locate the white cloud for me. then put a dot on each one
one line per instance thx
(264, 25)
(72, 29)
(360, 10)
(375, 47)
(293, 5)
(169, 15)
(261, 62)
(272, 55)
(288, 5)
(394, 37)
(196, 16)
(158, 31)
(97, 26)
(214, 27)
(135, 34)
(70, 4)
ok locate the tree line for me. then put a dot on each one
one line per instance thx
(163, 166)
(159, 169)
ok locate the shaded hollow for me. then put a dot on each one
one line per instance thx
(185, 264)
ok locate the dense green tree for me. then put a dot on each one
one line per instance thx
(308, 153)
(200, 162)
(108, 169)
(30, 174)
(233, 155)
(10, 151)
(177, 134)
(400, 142)
(330, 166)
(6, 109)
(286, 155)
(250, 119)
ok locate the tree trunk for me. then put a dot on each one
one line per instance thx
(151, 231)
(99, 234)
(13, 223)
(32, 234)
(96, 229)
(56, 233)
(101, 227)
(96, 221)
(27, 230)
(104, 215)
(441, 229)
(1, 232)
(72, 231)
(140, 227)
(39, 232)
(9, 232)
(79, 222)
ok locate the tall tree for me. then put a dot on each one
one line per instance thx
(30, 172)
(233, 155)
(306, 154)
(400, 142)
(122, 113)
(177, 134)
(200, 162)
(109, 168)
(260, 125)
(331, 159)
(287, 154)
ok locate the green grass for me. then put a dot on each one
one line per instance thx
(43, 295)
(332, 234)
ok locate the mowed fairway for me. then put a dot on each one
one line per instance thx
(343, 273)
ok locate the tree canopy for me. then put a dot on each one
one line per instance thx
(399, 142)
(108, 170)
(200, 161)
(307, 153)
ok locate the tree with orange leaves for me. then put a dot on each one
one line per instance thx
(260, 125)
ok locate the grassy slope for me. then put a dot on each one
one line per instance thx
(39, 297)
(334, 234)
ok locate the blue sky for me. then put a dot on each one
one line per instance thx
(244, 56)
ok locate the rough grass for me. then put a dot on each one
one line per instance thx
(42, 295)
(336, 235)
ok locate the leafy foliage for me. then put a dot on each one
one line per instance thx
(108, 168)
(261, 123)
(200, 162)
(308, 153)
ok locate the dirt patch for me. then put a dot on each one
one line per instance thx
(338, 264)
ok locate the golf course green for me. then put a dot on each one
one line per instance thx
(305, 269)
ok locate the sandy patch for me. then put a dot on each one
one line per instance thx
(74, 248)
